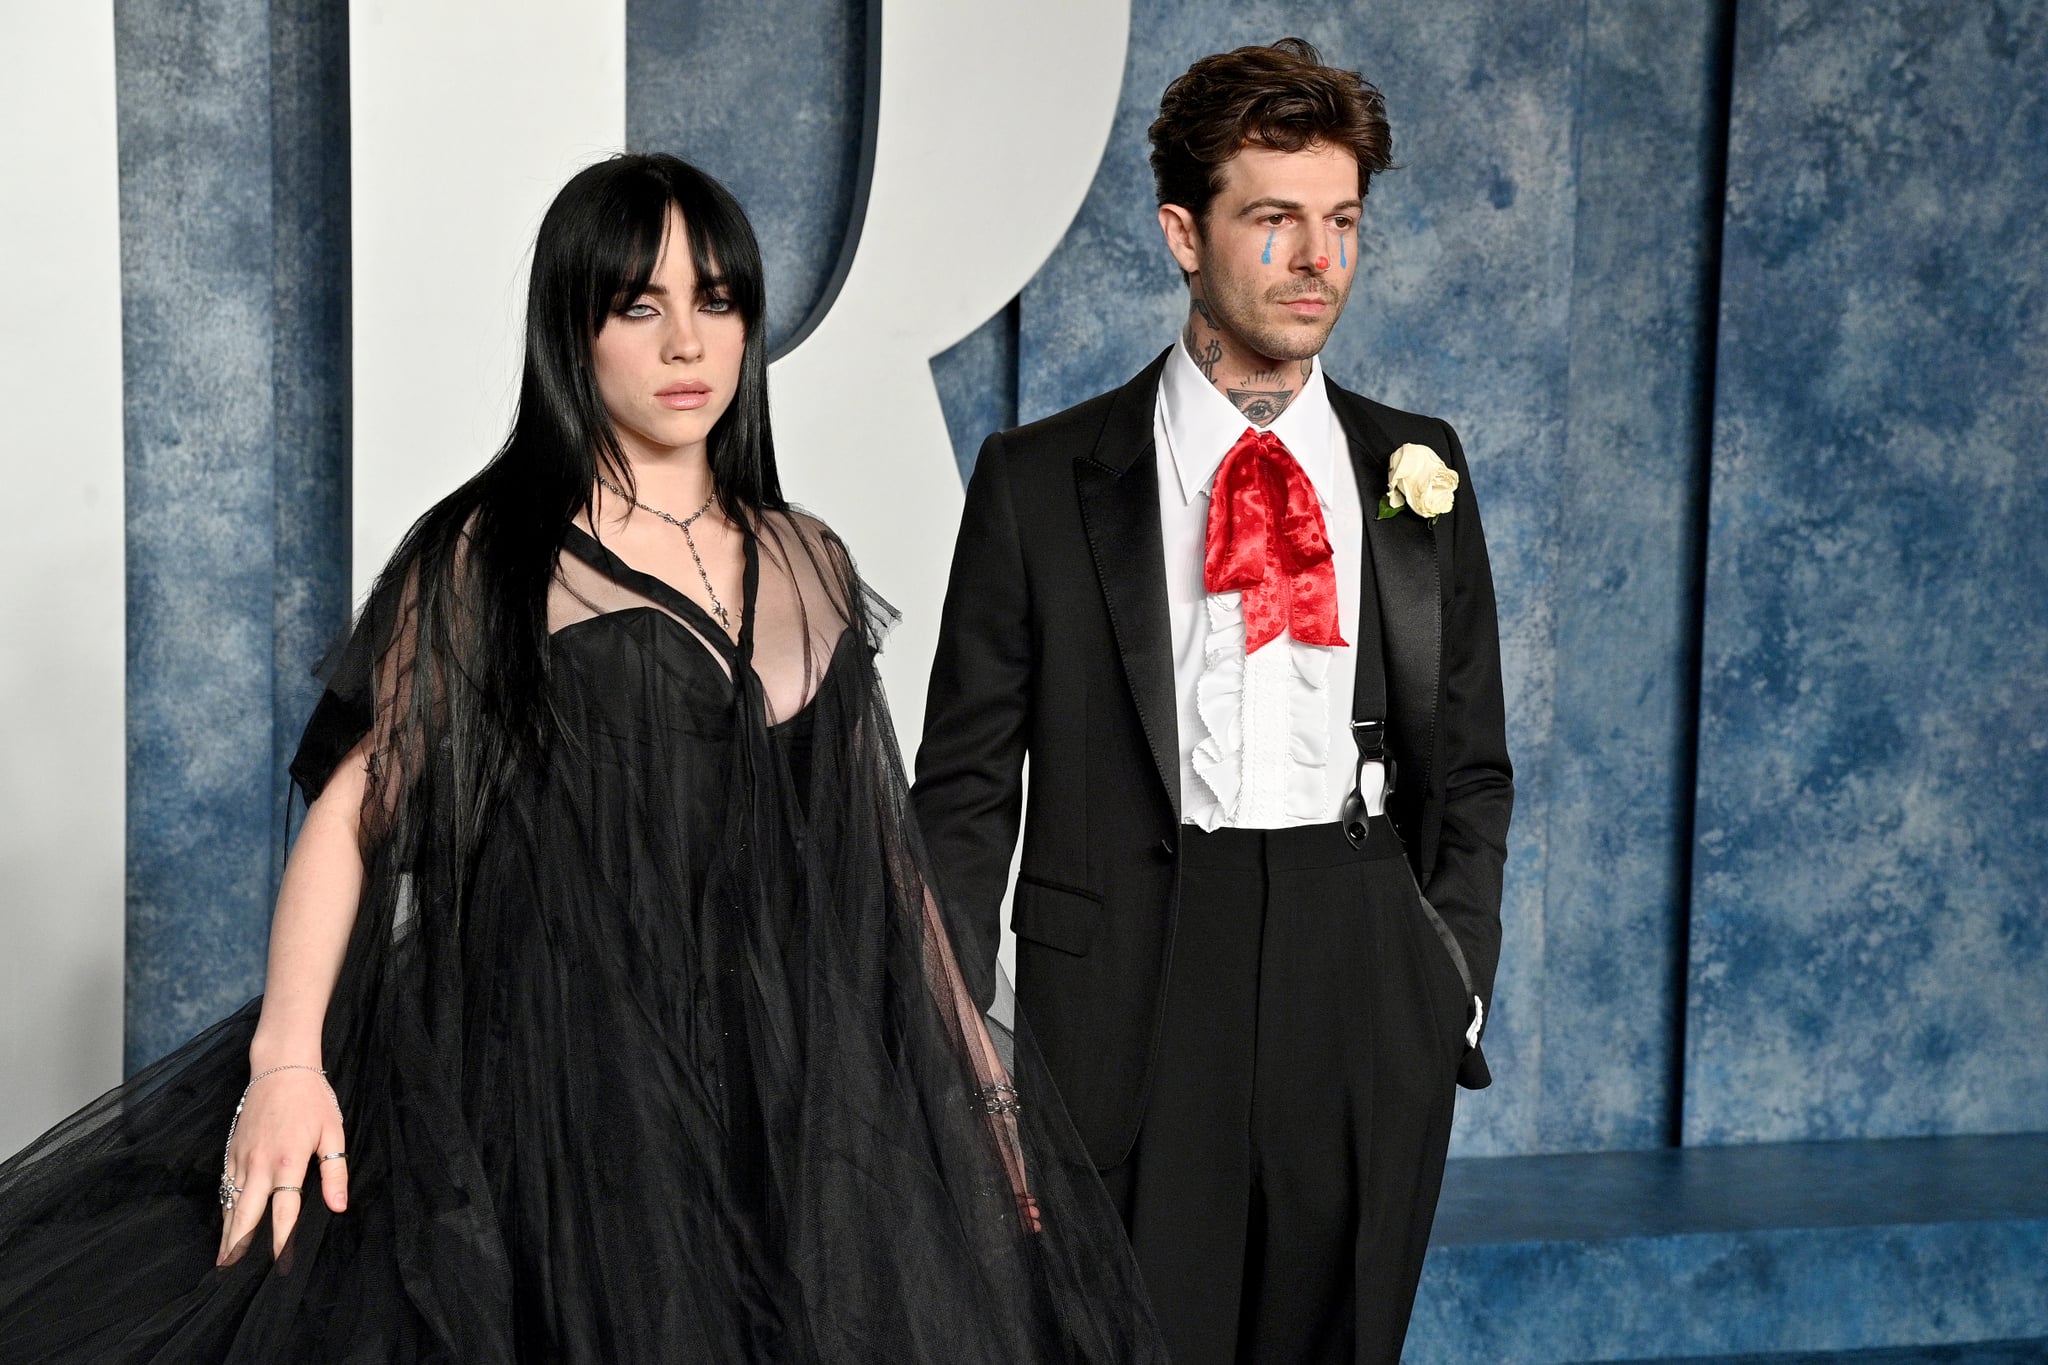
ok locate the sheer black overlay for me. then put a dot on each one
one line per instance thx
(650, 1044)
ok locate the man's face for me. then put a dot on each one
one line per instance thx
(1276, 258)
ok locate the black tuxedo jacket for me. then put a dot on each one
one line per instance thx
(1055, 644)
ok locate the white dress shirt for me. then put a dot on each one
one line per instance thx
(1265, 741)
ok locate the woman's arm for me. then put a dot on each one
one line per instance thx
(290, 1115)
(877, 777)
(994, 1092)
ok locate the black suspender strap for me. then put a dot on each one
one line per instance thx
(1368, 700)
(1369, 732)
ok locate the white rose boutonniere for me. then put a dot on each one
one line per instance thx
(1417, 479)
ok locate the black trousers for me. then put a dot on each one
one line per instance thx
(1281, 1190)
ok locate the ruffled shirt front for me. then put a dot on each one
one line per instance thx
(1265, 739)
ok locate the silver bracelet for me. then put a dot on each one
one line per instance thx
(999, 1098)
(228, 1188)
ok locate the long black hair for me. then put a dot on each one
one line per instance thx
(457, 623)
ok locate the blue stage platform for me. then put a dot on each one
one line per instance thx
(1971, 1353)
(1798, 1252)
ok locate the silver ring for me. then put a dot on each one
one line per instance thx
(287, 1189)
(333, 1156)
(228, 1190)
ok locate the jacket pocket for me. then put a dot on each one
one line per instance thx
(1456, 952)
(1450, 942)
(1063, 918)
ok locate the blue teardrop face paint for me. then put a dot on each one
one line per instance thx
(1343, 260)
(1267, 257)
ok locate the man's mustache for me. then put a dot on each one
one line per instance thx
(1310, 289)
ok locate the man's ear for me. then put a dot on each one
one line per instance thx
(1183, 236)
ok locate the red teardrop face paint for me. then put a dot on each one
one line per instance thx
(1322, 262)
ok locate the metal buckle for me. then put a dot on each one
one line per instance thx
(1371, 738)
(1353, 817)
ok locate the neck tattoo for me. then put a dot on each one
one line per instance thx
(1263, 392)
(1205, 348)
(682, 524)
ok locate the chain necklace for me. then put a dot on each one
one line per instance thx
(682, 524)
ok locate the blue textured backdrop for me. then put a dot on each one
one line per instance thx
(232, 120)
(1861, 918)
(1868, 947)
(767, 96)
(1630, 508)
(1692, 1299)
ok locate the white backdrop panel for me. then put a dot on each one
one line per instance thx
(62, 631)
(466, 117)
(977, 175)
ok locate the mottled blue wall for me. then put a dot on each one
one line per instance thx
(977, 380)
(309, 139)
(234, 272)
(1629, 527)
(1869, 952)
(1854, 946)
(769, 97)
(1703, 1300)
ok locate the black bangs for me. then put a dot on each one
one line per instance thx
(723, 250)
(722, 244)
(616, 282)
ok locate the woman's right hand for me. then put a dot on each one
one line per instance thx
(289, 1119)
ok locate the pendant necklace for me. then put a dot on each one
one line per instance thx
(682, 524)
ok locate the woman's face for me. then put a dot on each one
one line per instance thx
(668, 362)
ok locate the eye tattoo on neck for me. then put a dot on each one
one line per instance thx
(1261, 406)
(1266, 393)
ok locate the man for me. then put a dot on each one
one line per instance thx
(1242, 623)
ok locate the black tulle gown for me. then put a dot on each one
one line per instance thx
(658, 1054)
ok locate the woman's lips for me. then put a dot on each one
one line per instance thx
(683, 397)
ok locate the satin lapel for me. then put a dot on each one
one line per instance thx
(1406, 566)
(1118, 484)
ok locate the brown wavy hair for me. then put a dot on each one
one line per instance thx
(1281, 97)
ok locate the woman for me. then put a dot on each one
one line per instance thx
(608, 1015)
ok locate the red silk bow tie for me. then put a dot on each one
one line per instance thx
(1267, 541)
